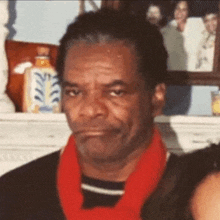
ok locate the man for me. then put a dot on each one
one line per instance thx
(155, 15)
(112, 67)
(205, 56)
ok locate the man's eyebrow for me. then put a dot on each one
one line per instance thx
(111, 84)
(116, 83)
(69, 84)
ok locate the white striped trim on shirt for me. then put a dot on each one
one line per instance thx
(95, 189)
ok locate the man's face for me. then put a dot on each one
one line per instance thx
(107, 106)
(210, 21)
(153, 15)
(181, 12)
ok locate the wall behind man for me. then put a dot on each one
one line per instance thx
(46, 21)
(43, 20)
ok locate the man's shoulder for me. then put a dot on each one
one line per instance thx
(38, 170)
(195, 20)
(182, 175)
(192, 167)
(30, 192)
(196, 24)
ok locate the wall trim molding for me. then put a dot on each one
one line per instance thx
(25, 137)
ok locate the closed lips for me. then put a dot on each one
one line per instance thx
(91, 132)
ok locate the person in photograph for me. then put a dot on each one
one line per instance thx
(155, 14)
(182, 36)
(205, 56)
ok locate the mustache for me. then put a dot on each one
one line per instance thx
(93, 126)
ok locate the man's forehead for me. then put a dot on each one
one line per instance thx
(154, 8)
(210, 16)
(182, 5)
(112, 59)
(82, 48)
(115, 53)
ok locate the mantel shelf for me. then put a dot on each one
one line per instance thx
(60, 117)
(25, 137)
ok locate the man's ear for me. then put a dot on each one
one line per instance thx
(158, 99)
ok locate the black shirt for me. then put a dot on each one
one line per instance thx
(30, 192)
(101, 193)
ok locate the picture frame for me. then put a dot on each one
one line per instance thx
(183, 77)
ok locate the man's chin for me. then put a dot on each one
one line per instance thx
(100, 157)
(153, 21)
(98, 151)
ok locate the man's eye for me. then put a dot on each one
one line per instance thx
(72, 92)
(117, 92)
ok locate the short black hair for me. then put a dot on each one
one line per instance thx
(108, 25)
(209, 11)
(176, 2)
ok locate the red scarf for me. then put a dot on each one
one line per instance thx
(139, 186)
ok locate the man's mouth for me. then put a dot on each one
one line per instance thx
(92, 133)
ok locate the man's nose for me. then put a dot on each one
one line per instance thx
(93, 107)
(180, 12)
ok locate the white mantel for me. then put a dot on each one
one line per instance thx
(25, 137)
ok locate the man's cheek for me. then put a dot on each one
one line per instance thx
(71, 119)
(71, 111)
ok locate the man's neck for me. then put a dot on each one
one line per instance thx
(111, 171)
(181, 26)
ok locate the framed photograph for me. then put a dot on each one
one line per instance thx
(194, 46)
